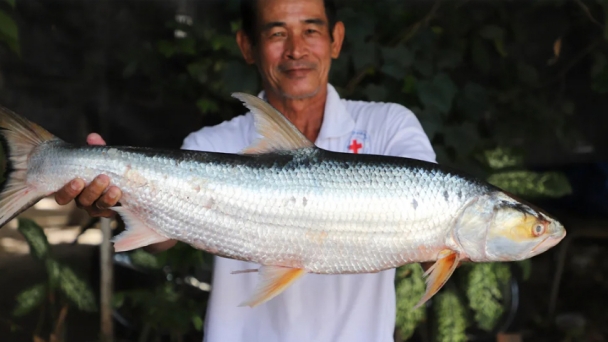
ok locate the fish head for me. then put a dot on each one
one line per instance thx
(499, 227)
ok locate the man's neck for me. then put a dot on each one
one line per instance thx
(306, 114)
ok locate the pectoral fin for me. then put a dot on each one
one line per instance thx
(439, 274)
(274, 279)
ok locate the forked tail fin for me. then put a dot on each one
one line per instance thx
(19, 137)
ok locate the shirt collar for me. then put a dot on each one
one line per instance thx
(336, 119)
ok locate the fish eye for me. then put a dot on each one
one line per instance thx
(538, 229)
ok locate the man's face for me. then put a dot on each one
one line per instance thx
(294, 47)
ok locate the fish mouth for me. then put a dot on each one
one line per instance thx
(546, 243)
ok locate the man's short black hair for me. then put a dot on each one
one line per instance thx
(248, 16)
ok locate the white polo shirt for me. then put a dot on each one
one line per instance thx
(319, 308)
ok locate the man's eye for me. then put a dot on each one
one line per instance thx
(310, 31)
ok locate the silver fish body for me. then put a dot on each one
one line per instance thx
(321, 211)
(285, 204)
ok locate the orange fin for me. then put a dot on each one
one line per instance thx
(439, 274)
(274, 280)
(137, 233)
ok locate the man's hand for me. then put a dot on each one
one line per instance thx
(93, 198)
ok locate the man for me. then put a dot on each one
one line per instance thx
(292, 43)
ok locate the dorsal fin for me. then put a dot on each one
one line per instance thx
(278, 133)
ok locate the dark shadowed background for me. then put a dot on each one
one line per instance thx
(514, 92)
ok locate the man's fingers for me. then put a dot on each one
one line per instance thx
(92, 192)
(109, 199)
(69, 191)
(95, 139)
(94, 212)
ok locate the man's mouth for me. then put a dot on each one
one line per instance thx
(297, 69)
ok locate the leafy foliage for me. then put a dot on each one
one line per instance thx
(167, 306)
(163, 309)
(39, 246)
(409, 288)
(9, 33)
(484, 283)
(532, 184)
(452, 327)
(63, 285)
(29, 299)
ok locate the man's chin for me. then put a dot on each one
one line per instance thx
(300, 94)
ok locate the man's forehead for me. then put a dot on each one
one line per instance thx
(290, 10)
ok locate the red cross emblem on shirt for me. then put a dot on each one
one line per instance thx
(355, 146)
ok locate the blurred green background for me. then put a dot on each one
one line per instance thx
(510, 91)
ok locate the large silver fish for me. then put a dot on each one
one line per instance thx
(286, 204)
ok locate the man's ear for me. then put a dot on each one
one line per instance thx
(246, 47)
(338, 35)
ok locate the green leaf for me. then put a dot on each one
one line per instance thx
(186, 46)
(599, 64)
(396, 60)
(431, 121)
(239, 77)
(475, 101)
(410, 287)
(481, 56)
(375, 92)
(207, 105)
(492, 32)
(502, 157)
(462, 137)
(532, 184)
(600, 82)
(450, 316)
(364, 55)
(35, 237)
(527, 73)
(449, 59)
(438, 92)
(53, 269)
(409, 84)
(499, 45)
(166, 48)
(526, 268)
(141, 258)
(424, 67)
(73, 287)
(9, 32)
(483, 288)
(197, 321)
(29, 299)
(118, 300)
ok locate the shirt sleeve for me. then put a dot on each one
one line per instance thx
(406, 137)
(227, 137)
(197, 141)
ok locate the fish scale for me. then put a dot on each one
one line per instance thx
(364, 216)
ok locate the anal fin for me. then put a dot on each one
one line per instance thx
(137, 233)
(438, 274)
(274, 280)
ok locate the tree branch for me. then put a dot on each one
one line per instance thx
(411, 31)
(585, 9)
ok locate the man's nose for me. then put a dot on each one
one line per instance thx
(296, 47)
